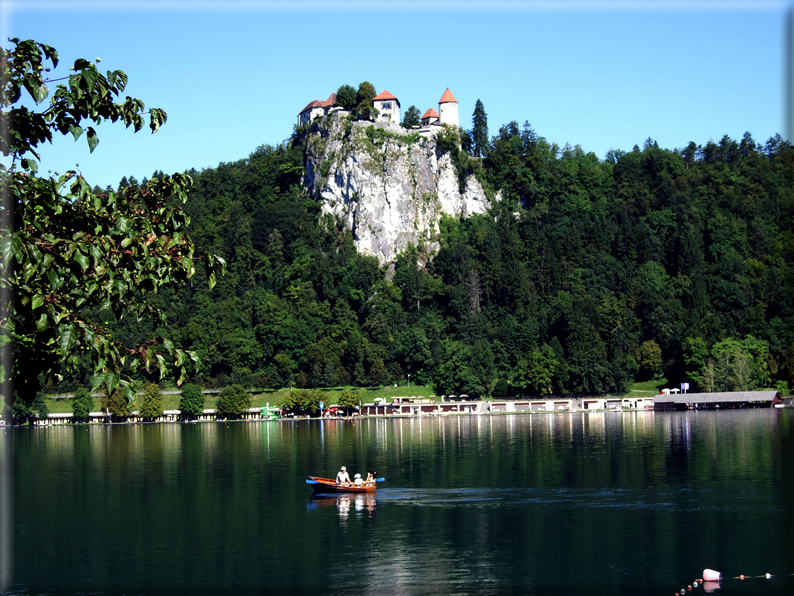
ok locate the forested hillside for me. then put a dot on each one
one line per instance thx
(588, 275)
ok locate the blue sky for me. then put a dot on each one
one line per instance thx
(233, 75)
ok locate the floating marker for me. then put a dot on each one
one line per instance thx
(710, 575)
(741, 577)
(768, 575)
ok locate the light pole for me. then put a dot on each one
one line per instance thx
(409, 380)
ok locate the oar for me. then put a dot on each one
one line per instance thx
(380, 480)
(312, 482)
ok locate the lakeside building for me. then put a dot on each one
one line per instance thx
(417, 406)
(413, 406)
(716, 401)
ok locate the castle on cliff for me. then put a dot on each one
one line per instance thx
(388, 107)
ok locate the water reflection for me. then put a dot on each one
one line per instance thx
(539, 504)
(359, 503)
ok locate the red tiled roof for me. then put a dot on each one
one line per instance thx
(383, 95)
(447, 97)
(331, 101)
(431, 113)
(314, 104)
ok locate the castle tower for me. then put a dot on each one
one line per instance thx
(448, 109)
(388, 107)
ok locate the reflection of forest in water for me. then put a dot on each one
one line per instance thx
(469, 503)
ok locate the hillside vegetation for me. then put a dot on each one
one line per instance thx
(587, 276)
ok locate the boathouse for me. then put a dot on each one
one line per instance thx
(716, 401)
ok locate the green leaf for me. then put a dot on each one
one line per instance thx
(50, 53)
(37, 301)
(90, 75)
(89, 336)
(81, 259)
(129, 391)
(96, 254)
(146, 359)
(76, 131)
(123, 224)
(161, 365)
(97, 379)
(43, 323)
(67, 339)
(38, 90)
(92, 139)
(29, 164)
(55, 280)
(157, 118)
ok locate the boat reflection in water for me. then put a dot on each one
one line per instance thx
(360, 503)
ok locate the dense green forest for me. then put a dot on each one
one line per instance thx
(586, 276)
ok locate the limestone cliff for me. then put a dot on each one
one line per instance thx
(387, 185)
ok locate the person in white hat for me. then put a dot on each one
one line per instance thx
(343, 477)
(357, 480)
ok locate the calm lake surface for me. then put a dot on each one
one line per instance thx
(600, 503)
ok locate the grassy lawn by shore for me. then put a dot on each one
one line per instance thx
(267, 397)
(647, 388)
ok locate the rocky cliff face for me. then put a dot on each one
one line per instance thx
(388, 186)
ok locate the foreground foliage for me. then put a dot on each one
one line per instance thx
(69, 252)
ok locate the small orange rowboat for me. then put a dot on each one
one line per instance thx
(327, 485)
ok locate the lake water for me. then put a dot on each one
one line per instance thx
(599, 503)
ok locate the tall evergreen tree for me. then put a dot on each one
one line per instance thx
(479, 131)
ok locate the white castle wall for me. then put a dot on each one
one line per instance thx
(390, 113)
(448, 113)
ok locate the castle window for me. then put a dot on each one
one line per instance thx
(387, 105)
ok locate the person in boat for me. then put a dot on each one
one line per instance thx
(358, 481)
(371, 477)
(343, 478)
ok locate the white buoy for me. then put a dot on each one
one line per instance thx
(709, 575)
(768, 575)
